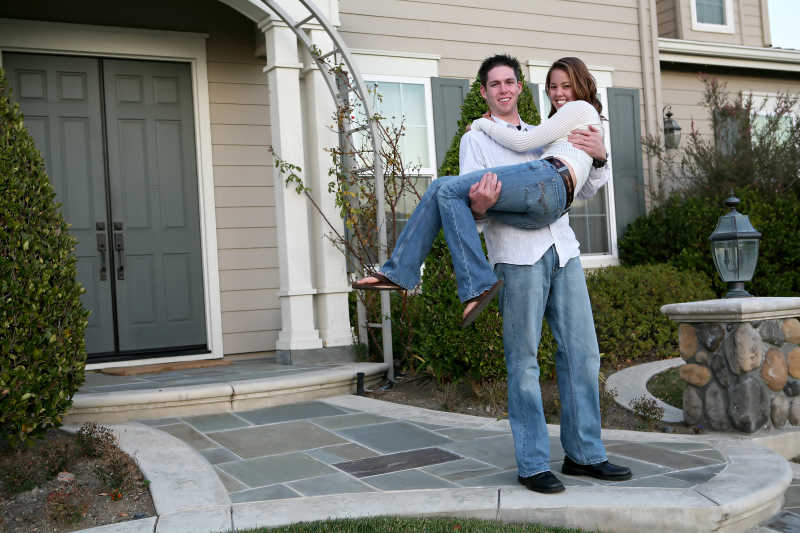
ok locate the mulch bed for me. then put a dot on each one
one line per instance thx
(88, 499)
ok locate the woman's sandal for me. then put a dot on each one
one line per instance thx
(382, 283)
(476, 305)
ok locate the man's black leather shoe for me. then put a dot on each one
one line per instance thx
(604, 470)
(544, 482)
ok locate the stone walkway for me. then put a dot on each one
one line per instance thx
(355, 456)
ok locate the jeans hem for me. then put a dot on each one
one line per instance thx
(535, 472)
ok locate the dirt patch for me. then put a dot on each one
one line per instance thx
(490, 400)
(79, 499)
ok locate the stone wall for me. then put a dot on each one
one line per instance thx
(741, 375)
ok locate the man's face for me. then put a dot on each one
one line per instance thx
(502, 91)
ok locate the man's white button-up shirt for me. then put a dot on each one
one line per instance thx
(508, 244)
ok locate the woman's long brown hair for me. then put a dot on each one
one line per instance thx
(583, 84)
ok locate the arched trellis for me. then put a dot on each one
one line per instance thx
(343, 81)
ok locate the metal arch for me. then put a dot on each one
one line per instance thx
(340, 90)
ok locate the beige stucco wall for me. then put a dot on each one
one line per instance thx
(683, 90)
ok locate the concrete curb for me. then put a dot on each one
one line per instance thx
(223, 397)
(631, 383)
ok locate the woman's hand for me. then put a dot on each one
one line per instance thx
(485, 115)
(590, 141)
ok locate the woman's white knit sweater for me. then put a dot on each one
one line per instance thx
(550, 134)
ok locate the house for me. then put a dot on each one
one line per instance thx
(156, 121)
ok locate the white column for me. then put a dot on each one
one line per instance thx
(329, 265)
(291, 209)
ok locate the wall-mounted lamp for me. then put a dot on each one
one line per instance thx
(672, 132)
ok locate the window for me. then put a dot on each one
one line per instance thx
(592, 220)
(712, 15)
(407, 102)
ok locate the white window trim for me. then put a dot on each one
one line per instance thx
(603, 75)
(155, 45)
(714, 28)
(426, 83)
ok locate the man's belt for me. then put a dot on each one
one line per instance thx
(566, 176)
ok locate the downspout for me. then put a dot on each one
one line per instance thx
(651, 93)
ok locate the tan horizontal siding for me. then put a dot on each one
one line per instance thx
(250, 300)
(684, 92)
(258, 278)
(249, 342)
(247, 321)
(243, 176)
(247, 238)
(244, 196)
(241, 134)
(239, 114)
(667, 18)
(247, 258)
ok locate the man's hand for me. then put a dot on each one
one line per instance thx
(590, 142)
(484, 194)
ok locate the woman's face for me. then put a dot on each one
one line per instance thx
(560, 89)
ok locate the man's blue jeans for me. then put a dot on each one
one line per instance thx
(532, 196)
(559, 294)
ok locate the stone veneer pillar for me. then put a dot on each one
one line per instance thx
(291, 209)
(742, 362)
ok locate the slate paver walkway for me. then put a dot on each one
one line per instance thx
(314, 448)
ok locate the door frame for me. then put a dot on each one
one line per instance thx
(57, 38)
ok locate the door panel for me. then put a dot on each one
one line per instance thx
(60, 99)
(153, 185)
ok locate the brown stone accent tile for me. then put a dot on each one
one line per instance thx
(794, 362)
(687, 340)
(791, 330)
(697, 375)
(774, 371)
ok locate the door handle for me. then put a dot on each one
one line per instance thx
(102, 247)
(119, 246)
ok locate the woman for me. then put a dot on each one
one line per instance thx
(534, 194)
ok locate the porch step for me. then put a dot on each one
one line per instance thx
(237, 388)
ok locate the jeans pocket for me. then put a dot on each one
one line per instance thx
(542, 199)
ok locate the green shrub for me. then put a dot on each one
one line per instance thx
(626, 304)
(677, 231)
(449, 351)
(42, 323)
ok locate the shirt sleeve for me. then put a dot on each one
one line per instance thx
(471, 157)
(597, 178)
(569, 117)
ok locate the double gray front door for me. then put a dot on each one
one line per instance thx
(117, 137)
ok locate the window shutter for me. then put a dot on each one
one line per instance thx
(447, 94)
(534, 88)
(626, 151)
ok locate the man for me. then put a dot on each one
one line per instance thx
(542, 277)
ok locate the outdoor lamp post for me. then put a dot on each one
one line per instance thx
(734, 245)
(672, 132)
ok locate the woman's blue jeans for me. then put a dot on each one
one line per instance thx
(532, 196)
(530, 292)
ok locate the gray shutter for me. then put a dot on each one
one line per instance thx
(534, 88)
(626, 151)
(448, 94)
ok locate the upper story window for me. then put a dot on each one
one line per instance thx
(712, 15)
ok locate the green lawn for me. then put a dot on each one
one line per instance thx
(390, 524)
(668, 387)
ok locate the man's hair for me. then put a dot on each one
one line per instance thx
(583, 84)
(495, 61)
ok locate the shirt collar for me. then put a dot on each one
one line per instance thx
(523, 125)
